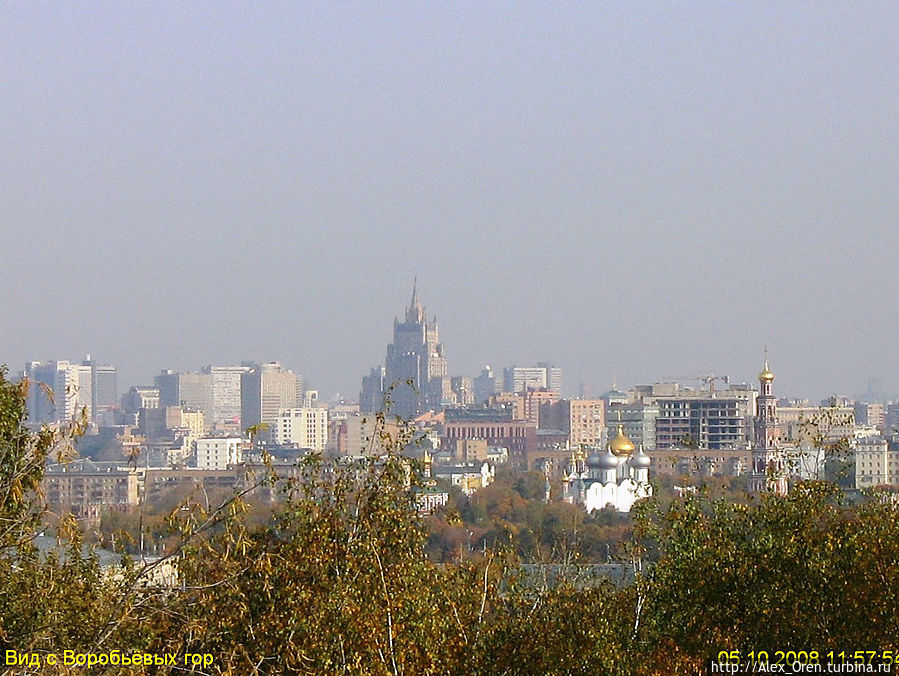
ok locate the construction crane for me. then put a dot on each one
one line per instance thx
(707, 379)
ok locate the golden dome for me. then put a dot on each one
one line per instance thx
(621, 445)
(766, 375)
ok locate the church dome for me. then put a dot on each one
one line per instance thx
(766, 375)
(641, 460)
(621, 445)
(605, 460)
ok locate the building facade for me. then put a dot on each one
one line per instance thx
(542, 376)
(186, 389)
(414, 359)
(226, 395)
(219, 452)
(85, 488)
(307, 427)
(60, 391)
(876, 462)
(264, 392)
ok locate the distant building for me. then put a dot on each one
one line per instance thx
(264, 393)
(486, 385)
(582, 419)
(535, 399)
(549, 450)
(870, 414)
(701, 419)
(440, 393)
(186, 389)
(701, 462)
(306, 427)
(509, 401)
(637, 419)
(769, 472)
(891, 419)
(105, 393)
(875, 463)
(138, 397)
(468, 477)
(157, 422)
(614, 396)
(219, 452)
(496, 426)
(159, 481)
(462, 388)
(414, 379)
(85, 487)
(617, 478)
(225, 385)
(469, 450)
(413, 358)
(542, 376)
(800, 422)
(60, 391)
(371, 397)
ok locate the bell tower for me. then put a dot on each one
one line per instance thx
(767, 464)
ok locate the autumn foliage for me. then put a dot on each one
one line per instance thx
(340, 580)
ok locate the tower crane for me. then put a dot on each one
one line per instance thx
(707, 379)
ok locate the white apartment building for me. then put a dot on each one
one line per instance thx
(875, 463)
(307, 427)
(218, 452)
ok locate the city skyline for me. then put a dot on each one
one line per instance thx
(876, 389)
(623, 190)
(502, 375)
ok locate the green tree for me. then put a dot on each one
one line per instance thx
(809, 569)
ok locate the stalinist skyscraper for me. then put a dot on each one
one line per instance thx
(413, 358)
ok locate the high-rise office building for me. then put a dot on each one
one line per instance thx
(226, 394)
(371, 398)
(186, 389)
(105, 390)
(486, 385)
(44, 379)
(542, 376)
(264, 392)
(60, 391)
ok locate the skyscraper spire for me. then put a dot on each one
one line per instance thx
(416, 312)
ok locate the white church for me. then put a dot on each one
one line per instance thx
(619, 477)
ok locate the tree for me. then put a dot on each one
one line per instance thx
(338, 579)
(23, 454)
(67, 584)
(809, 569)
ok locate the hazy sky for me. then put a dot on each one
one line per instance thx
(642, 189)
